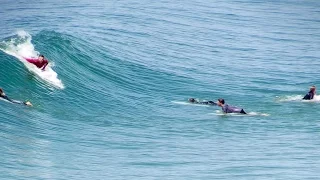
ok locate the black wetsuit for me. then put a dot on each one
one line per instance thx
(309, 96)
(208, 103)
(11, 100)
(205, 103)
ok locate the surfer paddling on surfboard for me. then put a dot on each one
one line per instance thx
(310, 94)
(41, 62)
(229, 109)
(4, 96)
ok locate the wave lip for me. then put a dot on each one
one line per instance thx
(20, 46)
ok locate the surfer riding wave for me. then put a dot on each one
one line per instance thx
(41, 62)
(21, 47)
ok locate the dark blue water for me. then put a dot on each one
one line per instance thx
(126, 70)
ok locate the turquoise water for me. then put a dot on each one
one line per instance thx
(126, 70)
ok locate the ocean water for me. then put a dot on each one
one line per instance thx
(113, 103)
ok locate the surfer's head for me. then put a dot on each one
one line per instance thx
(192, 100)
(220, 102)
(1, 91)
(313, 88)
(41, 57)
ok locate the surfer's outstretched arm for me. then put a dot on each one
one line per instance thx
(193, 100)
(27, 103)
(45, 65)
(208, 103)
(16, 102)
(11, 100)
(5, 97)
(212, 103)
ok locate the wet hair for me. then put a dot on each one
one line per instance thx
(41, 56)
(221, 101)
(1, 91)
(192, 100)
(313, 89)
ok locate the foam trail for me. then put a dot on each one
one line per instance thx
(297, 98)
(220, 113)
(20, 46)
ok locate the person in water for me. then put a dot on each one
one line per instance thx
(41, 62)
(4, 96)
(192, 100)
(229, 109)
(310, 95)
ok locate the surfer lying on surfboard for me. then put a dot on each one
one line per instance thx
(41, 62)
(229, 109)
(192, 100)
(225, 107)
(4, 96)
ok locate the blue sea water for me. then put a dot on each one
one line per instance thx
(127, 69)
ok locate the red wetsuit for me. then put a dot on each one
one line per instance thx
(37, 62)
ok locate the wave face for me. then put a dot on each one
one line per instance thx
(113, 104)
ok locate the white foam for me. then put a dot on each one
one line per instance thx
(20, 46)
(220, 113)
(298, 98)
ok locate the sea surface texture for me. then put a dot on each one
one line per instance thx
(112, 103)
